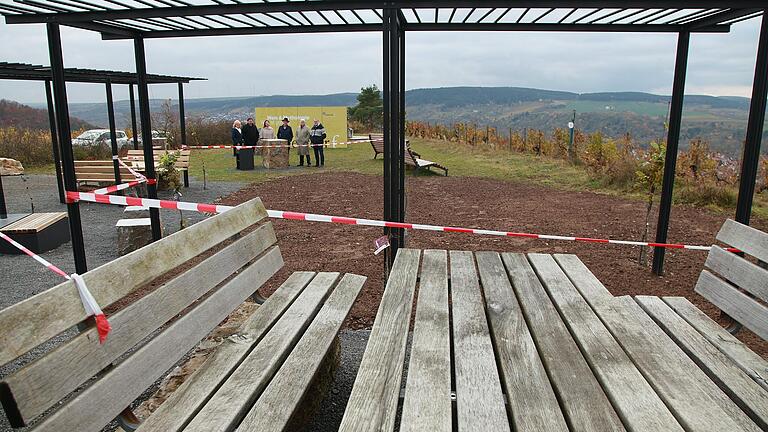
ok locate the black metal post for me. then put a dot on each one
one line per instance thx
(3, 209)
(134, 128)
(386, 93)
(183, 127)
(65, 141)
(401, 125)
(673, 138)
(751, 156)
(112, 132)
(146, 132)
(54, 140)
(396, 139)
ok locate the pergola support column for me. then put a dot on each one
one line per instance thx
(183, 127)
(134, 128)
(751, 156)
(146, 132)
(65, 141)
(54, 140)
(112, 132)
(673, 139)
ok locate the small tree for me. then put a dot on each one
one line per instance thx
(369, 110)
(649, 177)
(166, 121)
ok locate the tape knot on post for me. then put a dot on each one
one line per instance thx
(92, 308)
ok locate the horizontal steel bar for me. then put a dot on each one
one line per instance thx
(333, 28)
(563, 27)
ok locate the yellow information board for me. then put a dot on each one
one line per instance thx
(333, 118)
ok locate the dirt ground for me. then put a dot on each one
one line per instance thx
(481, 203)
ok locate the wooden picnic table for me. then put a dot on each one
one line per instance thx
(506, 341)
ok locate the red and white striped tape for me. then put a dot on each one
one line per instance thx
(331, 144)
(138, 175)
(89, 303)
(121, 186)
(279, 214)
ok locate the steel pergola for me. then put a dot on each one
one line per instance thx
(147, 19)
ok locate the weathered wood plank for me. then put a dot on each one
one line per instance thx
(638, 405)
(372, 405)
(35, 388)
(187, 400)
(98, 404)
(231, 402)
(752, 398)
(479, 398)
(582, 278)
(739, 271)
(697, 403)
(751, 363)
(274, 408)
(735, 303)
(583, 401)
(531, 400)
(42, 316)
(427, 404)
(745, 238)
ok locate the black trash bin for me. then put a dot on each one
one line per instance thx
(245, 159)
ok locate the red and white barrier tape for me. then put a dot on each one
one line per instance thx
(121, 186)
(138, 175)
(89, 303)
(331, 144)
(279, 214)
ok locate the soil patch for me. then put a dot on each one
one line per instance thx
(481, 203)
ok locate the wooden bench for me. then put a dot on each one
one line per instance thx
(254, 380)
(412, 158)
(535, 342)
(377, 142)
(38, 232)
(181, 164)
(100, 172)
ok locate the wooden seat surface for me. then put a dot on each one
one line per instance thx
(535, 342)
(33, 223)
(181, 164)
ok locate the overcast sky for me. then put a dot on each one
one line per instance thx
(719, 64)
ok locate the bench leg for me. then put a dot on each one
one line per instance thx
(128, 420)
(186, 178)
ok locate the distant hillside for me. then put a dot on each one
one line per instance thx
(26, 117)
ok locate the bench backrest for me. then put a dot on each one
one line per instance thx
(182, 162)
(377, 142)
(741, 291)
(99, 170)
(202, 272)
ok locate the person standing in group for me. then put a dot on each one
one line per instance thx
(302, 141)
(237, 136)
(317, 136)
(267, 132)
(250, 133)
(285, 132)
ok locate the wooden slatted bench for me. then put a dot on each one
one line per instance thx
(412, 158)
(39, 232)
(181, 164)
(377, 143)
(535, 342)
(100, 172)
(255, 380)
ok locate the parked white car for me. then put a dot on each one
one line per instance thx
(95, 137)
(158, 138)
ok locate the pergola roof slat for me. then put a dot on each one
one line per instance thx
(33, 72)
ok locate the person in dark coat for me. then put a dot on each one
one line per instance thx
(237, 136)
(250, 133)
(285, 132)
(317, 137)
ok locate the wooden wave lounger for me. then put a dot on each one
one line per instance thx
(255, 380)
(412, 158)
(537, 343)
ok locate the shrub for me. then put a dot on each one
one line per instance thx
(167, 175)
(30, 147)
(706, 193)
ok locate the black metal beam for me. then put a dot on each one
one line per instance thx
(146, 132)
(720, 17)
(182, 117)
(65, 141)
(112, 131)
(54, 141)
(563, 27)
(401, 131)
(673, 138)
(134, 129)
(751, 157)
(386, 93)
(333, 28)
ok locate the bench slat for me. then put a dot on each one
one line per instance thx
(372, 405)
(635, 401)
(231, 402)
(42, 383)
(698, 404)
(276, 405)
(727, 375)
(33, 223)
(98, 404)
(583, 279)
(739, 271)
(745, 238)
(735, 303)
(44, 315)
(479, 398)
(187, 400)
(584, 403)
(427, 404)
(752, 364)
(532, 402)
